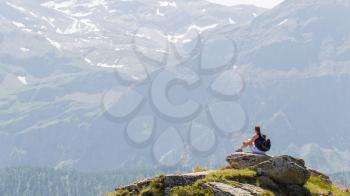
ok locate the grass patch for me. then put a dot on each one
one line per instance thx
(119, 193)
(229, 175)
(199, 169)
(154, 188)
(267, 193)
(317, 186)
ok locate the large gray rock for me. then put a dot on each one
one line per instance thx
(284, 169)
(184, 179)
(296, 190)
(243, 160)
(221, 189)
(268, 183)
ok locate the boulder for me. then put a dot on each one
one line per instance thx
(221, 189)
(184, 179)
(242, 160)
(295, 190)
(266, 182)
(284, 169)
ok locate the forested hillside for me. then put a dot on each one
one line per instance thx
(27, 181)
(341, 178)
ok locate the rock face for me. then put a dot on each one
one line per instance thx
(184, 179)
(221, 189)
(243, 160)
(284, 169)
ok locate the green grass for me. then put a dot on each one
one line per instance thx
(154, 188)
(119, 193)
(229, 175)
(267, 193)
(317, 186)
(199, 169)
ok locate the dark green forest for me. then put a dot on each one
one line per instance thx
(341, 178)
(26, 181)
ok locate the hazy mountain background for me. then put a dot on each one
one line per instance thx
(58, 58)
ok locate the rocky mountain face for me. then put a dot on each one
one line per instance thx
(60, 59)
(295, 58)
(246, 174)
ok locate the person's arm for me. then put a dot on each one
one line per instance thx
(252, 139)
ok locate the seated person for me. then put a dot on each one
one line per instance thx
(255, 143)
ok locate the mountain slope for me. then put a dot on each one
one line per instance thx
(59, 58)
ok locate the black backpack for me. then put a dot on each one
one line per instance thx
(263, 143)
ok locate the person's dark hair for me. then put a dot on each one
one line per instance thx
(257, 130)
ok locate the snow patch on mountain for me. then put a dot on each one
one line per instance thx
(18, 24)
(71, 7)
(159, 13)
(167, 4)
(24, 49)
(231, 21)
(284, 21)
(79, 26)
(19, 8)
(22, 79)
(54, 43)
(105, 65)
(203, 28)
(88, 61)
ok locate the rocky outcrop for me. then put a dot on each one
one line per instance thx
(284, 169)
(184, 179)
(249, 174)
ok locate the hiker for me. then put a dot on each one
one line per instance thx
(259, 144)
